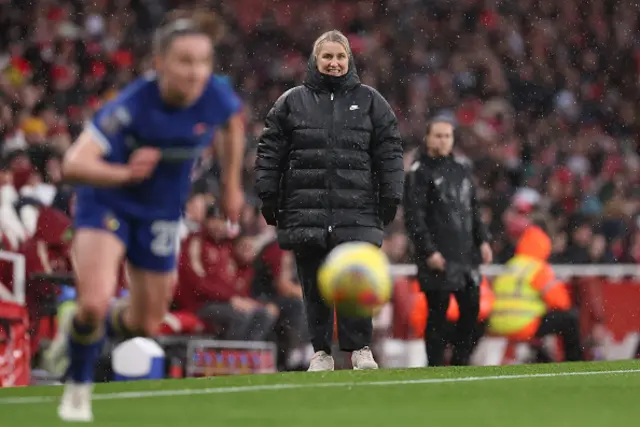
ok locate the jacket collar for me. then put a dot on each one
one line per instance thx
(430, 160)
(319, 82)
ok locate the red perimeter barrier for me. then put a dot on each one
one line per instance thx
(15, 353)
(615, 304)
(600, 301)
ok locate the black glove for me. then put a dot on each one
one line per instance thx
(387, 211)
(270, 213)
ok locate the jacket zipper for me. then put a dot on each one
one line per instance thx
(331, 164)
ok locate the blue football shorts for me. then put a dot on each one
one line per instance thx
(151, 244)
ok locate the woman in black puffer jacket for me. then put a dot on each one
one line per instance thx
(329, 170)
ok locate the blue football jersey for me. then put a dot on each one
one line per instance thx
(138, 117)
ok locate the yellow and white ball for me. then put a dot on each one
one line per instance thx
(355, 278)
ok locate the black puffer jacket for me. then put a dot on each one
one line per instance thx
(329, 163)
(442, 215)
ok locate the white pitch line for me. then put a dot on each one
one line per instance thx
(272, 387)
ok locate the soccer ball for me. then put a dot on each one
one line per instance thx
(355, 278)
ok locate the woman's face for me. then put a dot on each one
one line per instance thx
(333, 59)
(186, 66)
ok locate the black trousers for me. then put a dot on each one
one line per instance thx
(476, 335)
(438, 331)
(567, 325)
(353, 333)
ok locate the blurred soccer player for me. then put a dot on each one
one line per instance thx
(133, 163)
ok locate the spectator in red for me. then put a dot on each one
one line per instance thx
(212, 285)
(274, 282)
(46, 252)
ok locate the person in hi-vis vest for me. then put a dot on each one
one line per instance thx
(530, 301)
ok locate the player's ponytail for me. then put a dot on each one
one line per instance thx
(188, 21)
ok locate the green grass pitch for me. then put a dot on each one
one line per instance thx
(570, 394)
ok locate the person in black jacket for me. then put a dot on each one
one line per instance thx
(328, 171)
(443, 221)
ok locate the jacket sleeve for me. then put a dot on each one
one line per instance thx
(273, 148)
(415, 198)
(553, 291)
(388, 167)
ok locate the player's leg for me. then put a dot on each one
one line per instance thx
(151, 257)
(96, 256)
(151, 294)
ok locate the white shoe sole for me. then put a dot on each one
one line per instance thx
(73, 415)
(366, 368)
(321, 370)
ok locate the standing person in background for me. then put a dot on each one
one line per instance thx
(328, 171)
(442, 218)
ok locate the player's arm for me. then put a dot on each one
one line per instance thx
(232, 153)
(84, 163)
(231, 159)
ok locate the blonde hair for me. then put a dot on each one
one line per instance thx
(188, 21)
(331, 36)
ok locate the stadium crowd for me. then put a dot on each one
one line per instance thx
(543, 94)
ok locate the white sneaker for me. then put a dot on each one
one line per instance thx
(363, 359)
(75, 405)
(321, 361)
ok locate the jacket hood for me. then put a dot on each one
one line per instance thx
(534, 243)
(320, 82)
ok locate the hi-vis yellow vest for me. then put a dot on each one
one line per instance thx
(517, 302)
